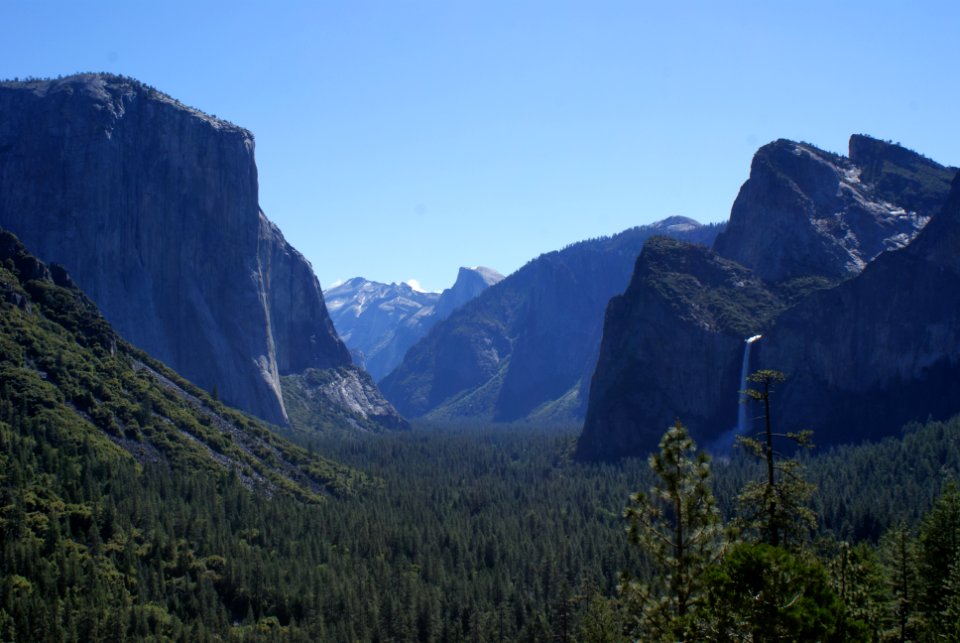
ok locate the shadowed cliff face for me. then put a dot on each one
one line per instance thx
(152, 206)
(524, 349)
(672, 346)
(880, 350)
(864, 351)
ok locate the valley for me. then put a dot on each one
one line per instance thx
(201, 444)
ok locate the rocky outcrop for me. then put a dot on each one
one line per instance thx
(672, 348)
(469, 284)
(525, 348)
(152, 206)
(865, 350)
(334, 399)
(380, 322)
(806, 212)
(880, 350)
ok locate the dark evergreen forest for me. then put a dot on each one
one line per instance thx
(134, 506)
(469, 534)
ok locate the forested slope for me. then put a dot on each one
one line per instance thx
(115, 524)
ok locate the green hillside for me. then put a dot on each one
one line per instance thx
(135, 507)
(118, 479)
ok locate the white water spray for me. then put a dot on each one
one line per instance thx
(744, 371)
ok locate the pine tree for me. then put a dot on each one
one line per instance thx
(679, 527)
(777, 507)
(858, 583)
(899, 558)
(939, 550)
(763, 593)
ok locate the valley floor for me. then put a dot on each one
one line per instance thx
(469, 533)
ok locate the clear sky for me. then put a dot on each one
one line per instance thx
(403, 139)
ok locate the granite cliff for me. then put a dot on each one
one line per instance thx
(153, 207)
(672, 347)
(379, 322)
(878, 351)
(804, 211)
(673, 343)
(525, 348)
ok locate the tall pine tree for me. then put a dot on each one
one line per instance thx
(778, 506)
(679, 527)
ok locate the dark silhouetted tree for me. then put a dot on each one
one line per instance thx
(679, 527)
(776, 508)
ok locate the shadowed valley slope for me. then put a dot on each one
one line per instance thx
(525, 348)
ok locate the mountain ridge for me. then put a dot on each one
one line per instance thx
(524, 348)
(61, 361)
(379, 322)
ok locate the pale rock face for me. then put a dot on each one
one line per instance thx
(807, 212)
(153, 207)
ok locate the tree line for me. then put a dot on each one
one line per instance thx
(474, 533)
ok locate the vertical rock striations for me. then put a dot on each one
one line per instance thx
(153, 207)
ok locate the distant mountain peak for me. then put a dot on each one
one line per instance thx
(489, 275)
(379, 321)
(677, 223)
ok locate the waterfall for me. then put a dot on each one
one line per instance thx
(741, 396)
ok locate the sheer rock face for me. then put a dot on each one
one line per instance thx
(805, 212)
(865, 350)
(152, 206)
(380, 322)
(469, 284)
(880, 350)
(672, 344)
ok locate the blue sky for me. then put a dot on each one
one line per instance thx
(400, 140)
